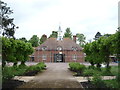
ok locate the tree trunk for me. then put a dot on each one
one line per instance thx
(3, 63)
(15, 64)
(98, 66)
(22, 62)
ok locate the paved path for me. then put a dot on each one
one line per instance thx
(57, 75)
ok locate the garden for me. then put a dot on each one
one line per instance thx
(95, 75)
(9, 72)
(15, 51)
(97, 53)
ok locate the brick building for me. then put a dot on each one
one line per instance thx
(58, 50)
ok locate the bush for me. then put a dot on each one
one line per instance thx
(97, 81)
(77, 67)
(91, 67)
(88, 72)
(42, 65)
(37, 67)
(9, 72)
(73, 65)
(111, 83)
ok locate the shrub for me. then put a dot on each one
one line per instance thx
(37, 67)
(42, 65)
(9, 72)
(91, 67)
(111, 83)
(77, 67)
(88, 72)
(97, 81)
(80, 68)
(73, 65)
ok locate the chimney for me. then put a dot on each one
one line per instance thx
(74, 38)
(44, 37)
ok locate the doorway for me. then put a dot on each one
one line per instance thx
(59, 58)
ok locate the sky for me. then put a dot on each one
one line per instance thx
(38, 17)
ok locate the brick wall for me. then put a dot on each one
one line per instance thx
(49, 56)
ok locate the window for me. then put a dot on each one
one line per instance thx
(44, 48)
(74, 48)
(74, 57)
(44, 57)
(59, 48)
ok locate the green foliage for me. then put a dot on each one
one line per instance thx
(97, 80)
(8, 50)
(98, 51)
(15, 50)
(81, 39)
(111, 83)
(7, 25)
(88, 72)
(54, 34)
(34, 40)
(114, 70)
(43, 39)
(9, 72)
(26, 52)
(23, 39)
(68, 33)
(77, 67)
(40, 66)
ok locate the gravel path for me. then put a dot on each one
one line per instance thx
(57, 75)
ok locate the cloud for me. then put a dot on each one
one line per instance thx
(82, 16)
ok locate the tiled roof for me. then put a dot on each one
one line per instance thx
(53, 44)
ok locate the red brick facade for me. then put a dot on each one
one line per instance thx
(48, 56)
(67, 53)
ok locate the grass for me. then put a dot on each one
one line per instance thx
(98, 82)
(111, 83)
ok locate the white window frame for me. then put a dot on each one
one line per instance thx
(44, 57)
(74, 57)
(44, 48)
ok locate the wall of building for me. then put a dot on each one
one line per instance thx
(70, 56)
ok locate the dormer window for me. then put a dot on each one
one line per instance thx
(74, 48)
(44, 48)
(59, 48)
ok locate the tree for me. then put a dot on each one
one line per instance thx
(43, 39)
(7, 24)
(89, 56)
(54, 34)
(23, 39)
(68, 33)
(15, 50)
(97, 36)
(28, 50)
(34, 40)
(105, 49)
(81, 39)
(8, 50)
(107, 35)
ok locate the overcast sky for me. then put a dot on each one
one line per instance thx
(38, 17)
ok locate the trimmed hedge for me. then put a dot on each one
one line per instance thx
(9, 72)
(77, 67)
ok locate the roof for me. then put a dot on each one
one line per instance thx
(53, 44)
